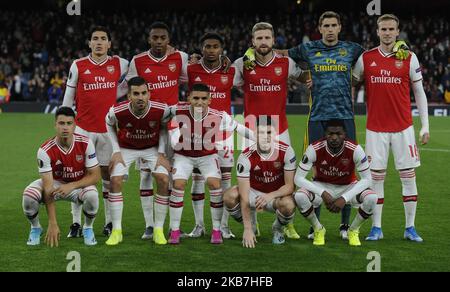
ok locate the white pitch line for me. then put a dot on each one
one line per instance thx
(425, 149)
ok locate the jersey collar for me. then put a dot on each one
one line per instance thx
(141, 116)
(386, 55)
(268, 63)
(98, 63)
(210, 71)
(190, 112)
(62, 149)
(158, 60)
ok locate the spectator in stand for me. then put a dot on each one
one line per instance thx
(54, 94)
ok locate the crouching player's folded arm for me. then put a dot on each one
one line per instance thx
(363, 168)
(302, 171)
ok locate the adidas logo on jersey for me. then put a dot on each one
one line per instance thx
(198, 79)
(324, 162)
(58, 162)
(148, 70)
(87, 72)
(129, 125)
(252, 72)
(257, 168)
(318, 54)
(373, 64)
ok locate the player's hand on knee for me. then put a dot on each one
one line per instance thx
(327, 199)
(63, 190)
(262, 201)
(249, 239)
(337, 205)
(115, 159)
(53, 235)
(164, 162)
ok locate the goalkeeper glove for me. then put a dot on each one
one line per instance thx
(249, 59)
(401, 50)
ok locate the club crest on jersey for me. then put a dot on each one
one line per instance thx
(224, 79)
(398, 64)
(152, 124)
(342, 52)
(278, 71)
(345, 161)
(277, 164)
(110, 69)
(172, 67)
(79, 158)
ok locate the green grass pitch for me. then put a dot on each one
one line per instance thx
(21, 135)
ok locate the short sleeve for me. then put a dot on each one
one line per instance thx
(184, 65)
(111, 119)
(358, 69)
(290, 159)
(44, 162)
(360, 159)
(243, 166)
(132, 71)
(238, 79)
(309, 157)
(91, 156)
(294, 69)
(228, 123)
(415, 71)
(72, 79)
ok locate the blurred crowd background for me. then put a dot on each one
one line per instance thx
(37, 47)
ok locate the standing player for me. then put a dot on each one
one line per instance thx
(194, 132)
(134, 127)
(69, 170)
(163, 73)
(265, 173)
(209, 71)
(266, 85)
(389, 121)
(335, 183)
(94, 84)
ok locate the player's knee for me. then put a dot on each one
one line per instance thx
(179, 184)
(408, 179)
(213, 183)
(301, 199)
(231, 197)
(90, 201)
(286, 205)
(116, 184)
(162, 180)
(30, 202)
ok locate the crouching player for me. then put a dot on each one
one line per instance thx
(194, 132)
(265, 173)
(69, 171)
(335, 183)
(134, 128)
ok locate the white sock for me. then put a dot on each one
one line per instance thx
(116, 209)
(161, 207)
(30, 204)
(198, 197)
(409, 191)
(147, 206)
(226, 184)
(76, 212)
(176, 208)
(105, 191)
(378, 187)
(216, 206)
(90, 206)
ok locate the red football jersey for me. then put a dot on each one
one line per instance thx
(162, 75)
(338, 169)
(219, 83)
(196, 138)
(266, 173)
(96, 90)
(67, 166)
(138, 132)
(387, 84)
(266, 88)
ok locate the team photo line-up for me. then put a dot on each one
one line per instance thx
(171, 141)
